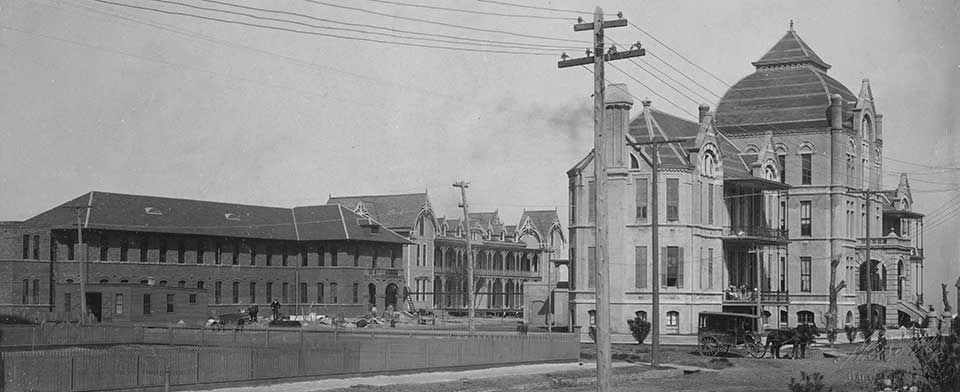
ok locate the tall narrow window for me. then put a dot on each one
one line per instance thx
(217, 252)
(118, 304)
(333, 256)
(104, 247)
(25, 294)
(170, 302)
(591, 267)
(805, 266)
(304, 256)
(144, 249)
(181, 252)
(200, 253)
(36, 247)
(253, 253)
(253, 292)
(53, 248)
(217, 292)
(709, 204)
(26, 247)
(283, 255)
(641, 272)
(333, 293)
(269, 292)
(806, 168)
(674, 270)
(284, 291)
(163, 251)
(269, 256)
(805, 219)
(320, 255)
(782, 161)
(319, 293)
(673, 200)
(146, 304)
(235, 255)
(710, 268)
(36, 291)
(573, 204)
(200, 284)
(303, 293)
(783, 217)
(592, 202)
(642, 199)
(356, 256)
(783, 273)
(356, 293)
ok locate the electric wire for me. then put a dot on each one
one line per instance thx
(474, 12)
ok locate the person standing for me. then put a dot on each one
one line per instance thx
(275, 307)
(882, 344)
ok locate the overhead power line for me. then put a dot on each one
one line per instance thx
(451, 25)
(392, 29)
(921, 165)
(539, 8)
(678, 54)
(466, 11)
(314, 33)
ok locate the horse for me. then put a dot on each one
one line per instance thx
(800, 337)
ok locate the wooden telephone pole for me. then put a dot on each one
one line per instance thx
(463, 185)
(654, 162)
(869, 195)
(602, 294)
(79, 248)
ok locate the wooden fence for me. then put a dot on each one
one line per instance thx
(268, 355)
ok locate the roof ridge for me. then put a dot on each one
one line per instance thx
(380, 195)
(186, 199)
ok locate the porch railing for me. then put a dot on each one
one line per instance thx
(754, 231)
(749, 296)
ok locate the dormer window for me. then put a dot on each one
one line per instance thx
(152, 211)
(231, 216)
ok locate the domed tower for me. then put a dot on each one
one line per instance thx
(827, 141)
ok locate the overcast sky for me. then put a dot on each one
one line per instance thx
(102, 97)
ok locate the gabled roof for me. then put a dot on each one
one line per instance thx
(398, 212)
(542, 220)
(666, 126)
(487, 220)
(790, 89)
(123, 212)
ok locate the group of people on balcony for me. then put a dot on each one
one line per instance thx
(740, 293)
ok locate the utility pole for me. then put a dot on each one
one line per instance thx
(602, 293)
(463, 185)
(869, 195)
(83, 261)
(654, 162)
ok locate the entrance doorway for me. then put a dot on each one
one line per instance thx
(391, 295)
(95, 305)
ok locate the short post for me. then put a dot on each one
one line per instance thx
(166, 377)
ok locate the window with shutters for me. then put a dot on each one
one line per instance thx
(806, 169)
(642, 198)
(146, 304)
(673, 276)
(591, 267)
(805, 266)
(673, 200)
(641, 272)
(805, 219)
(592, 202)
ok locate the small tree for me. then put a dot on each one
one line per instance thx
(640, 328)
(831, 315)
(812, 382)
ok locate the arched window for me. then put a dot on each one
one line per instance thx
(751, 149)
(849, 318)
(641, 314)
(900, 280)
(709, 164)
(866, 128)
(883, 278)
(805, 317)
(634, 162)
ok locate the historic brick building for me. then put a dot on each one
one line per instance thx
(506, 256)
(322, 259)
(753, 206)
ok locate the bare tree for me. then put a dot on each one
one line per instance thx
(835, 288)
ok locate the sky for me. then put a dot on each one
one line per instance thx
(98, 96)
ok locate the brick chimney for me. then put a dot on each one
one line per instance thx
(704, 109)
(835, 113)
(616, 124)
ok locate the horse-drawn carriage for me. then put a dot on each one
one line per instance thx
(720, 332)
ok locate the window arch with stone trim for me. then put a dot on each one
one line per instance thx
(634, 162)
(709, 161)
(805, 317)
(866, 127)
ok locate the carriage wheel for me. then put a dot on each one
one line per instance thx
(710, 346)
(756, 350)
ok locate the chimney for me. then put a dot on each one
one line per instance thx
(704, 109)
(617, 104)
(835, 114)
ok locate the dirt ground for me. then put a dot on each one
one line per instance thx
(853, 372)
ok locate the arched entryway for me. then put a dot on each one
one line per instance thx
(879, 314)
(372, 294)
(390, 295)
(497, 294)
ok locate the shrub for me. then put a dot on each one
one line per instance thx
(895, 379)
(640, 328)
(851, 332)
(938, 362)
(812, 382)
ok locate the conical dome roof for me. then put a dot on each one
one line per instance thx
(790, 89)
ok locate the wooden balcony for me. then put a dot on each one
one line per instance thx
(757, 235)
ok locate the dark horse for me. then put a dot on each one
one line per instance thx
(800, 337)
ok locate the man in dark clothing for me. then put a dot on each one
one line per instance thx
(254, 309)
(275, 307)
